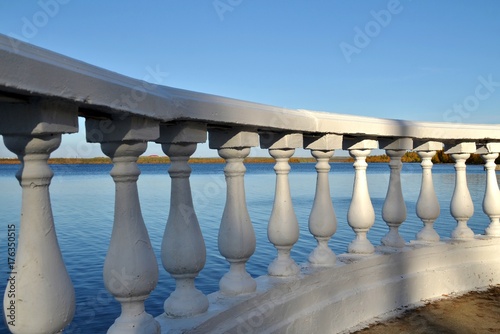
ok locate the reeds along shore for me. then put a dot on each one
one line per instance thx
(440, 157)
(160, 160)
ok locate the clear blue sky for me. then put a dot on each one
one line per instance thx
(414, 60)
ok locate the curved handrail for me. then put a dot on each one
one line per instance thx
(33, 71)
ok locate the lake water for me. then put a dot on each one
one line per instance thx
(83, 202)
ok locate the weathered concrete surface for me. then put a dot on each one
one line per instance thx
(474, 312)
(357, 290)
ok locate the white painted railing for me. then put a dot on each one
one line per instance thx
(41, 96)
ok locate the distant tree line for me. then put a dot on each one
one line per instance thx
(439, 158)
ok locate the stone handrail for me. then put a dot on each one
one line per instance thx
(31, 71)
(42, 94)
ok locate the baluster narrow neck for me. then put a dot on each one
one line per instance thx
(179, 168)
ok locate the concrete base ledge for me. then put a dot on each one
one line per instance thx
(357, 291)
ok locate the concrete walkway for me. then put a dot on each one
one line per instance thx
(474, 312)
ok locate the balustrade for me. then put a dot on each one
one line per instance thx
(130, 267)
(283, 228)
(32, 125)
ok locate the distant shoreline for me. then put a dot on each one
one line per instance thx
(409, 157)
(165, 160)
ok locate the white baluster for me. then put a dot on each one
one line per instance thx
(322, 220)
(236, 234)
(183, 250)
(491, 201)
(394, 209)
(361, 215)
(283, 227)
(427, 209)
(44, 300)
(130, 267)
(461, 207)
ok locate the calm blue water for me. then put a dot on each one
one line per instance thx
(83, 203)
